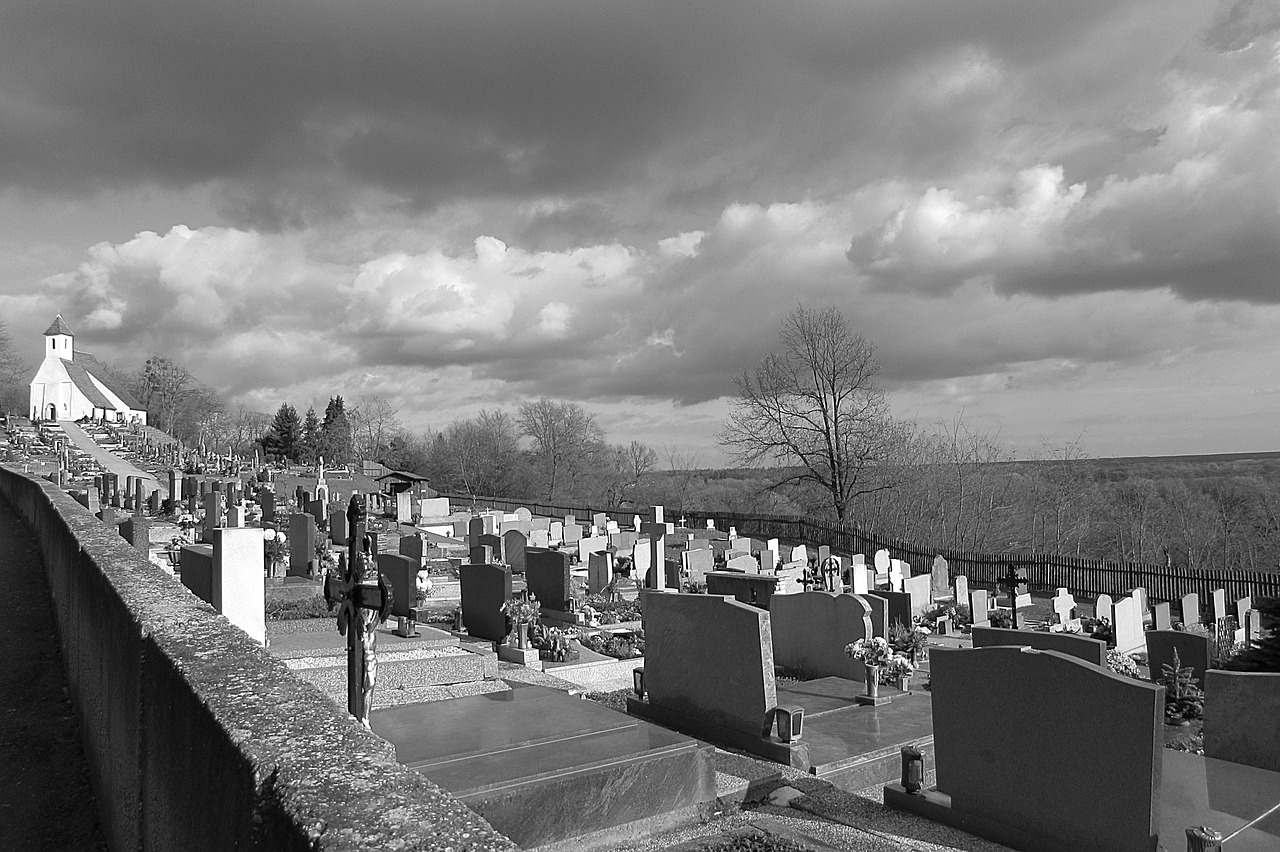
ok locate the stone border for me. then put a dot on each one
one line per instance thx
(195, 736)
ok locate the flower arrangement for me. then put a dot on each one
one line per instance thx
(522, 610)
(909, 640)
(875, 651)
(1123, 664)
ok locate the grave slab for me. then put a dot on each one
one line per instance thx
(543, 767)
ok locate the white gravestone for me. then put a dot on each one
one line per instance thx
(1130, 636)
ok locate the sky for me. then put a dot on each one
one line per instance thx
(1058, 221)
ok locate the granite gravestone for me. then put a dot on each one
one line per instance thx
(1189, 611)
(1128, 626)
(941, 574)
(401, 573)
(1085, 648)
(599, 572)
(547, 577)
(752, 589)
(918, 590)
(513, 550)
(302, 544)
(898, 605)
(810, 631)
(484, 589)
(1194, 652)
(992, 708)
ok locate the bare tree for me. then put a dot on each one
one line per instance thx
(373, 424)
(565, 437)
(13, 369)
(814, 408)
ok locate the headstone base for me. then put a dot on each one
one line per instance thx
(872, 700)
(527, 657)
(789, 754)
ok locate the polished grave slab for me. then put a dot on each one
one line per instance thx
(853, 746)
(544, 766)
(1198, 790)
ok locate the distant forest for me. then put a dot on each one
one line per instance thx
(1213, 511)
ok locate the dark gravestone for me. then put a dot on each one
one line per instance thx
(493, 541)
(547, 574)
(672, 574)
(267, 500)
(136, 530)
(338, 527)
(302, 544)
(481, 555)
(898, 605)
(195, 564)
(514, 543)
(1193, 651)
(107, 514)
(475, 529)
(879, 614)
(485, 588)
(754, 589)
(709, 667)
(401, 573)
(1001, 715)
(811, 630)
(1240, 712)
(1081, 647)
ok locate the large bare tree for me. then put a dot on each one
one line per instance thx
(812, 409)
(565, 438)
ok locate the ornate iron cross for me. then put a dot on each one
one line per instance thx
(1010, 582)
(363, 603)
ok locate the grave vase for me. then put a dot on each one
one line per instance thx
(873, 680)
(522, 635)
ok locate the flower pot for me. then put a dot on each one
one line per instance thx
(522, 635)
(904, 683)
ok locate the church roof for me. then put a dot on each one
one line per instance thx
(80, 377)
(95, 367)
(58, 327)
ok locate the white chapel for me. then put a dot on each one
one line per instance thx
(66, 387)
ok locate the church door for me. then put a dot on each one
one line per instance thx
(53, 411)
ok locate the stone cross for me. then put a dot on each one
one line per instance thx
(656, 530)
(362, 604)
(1010, 582)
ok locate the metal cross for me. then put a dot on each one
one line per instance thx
(1010, 582)
(363, 604)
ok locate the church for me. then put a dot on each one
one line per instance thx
(66, 387)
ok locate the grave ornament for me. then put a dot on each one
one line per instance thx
(1010, 582)
(363, 603)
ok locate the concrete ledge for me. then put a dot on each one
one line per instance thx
(196, 737)
(794, 754)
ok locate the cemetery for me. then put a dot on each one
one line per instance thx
(722, 668)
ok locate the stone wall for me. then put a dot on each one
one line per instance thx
(197, 738)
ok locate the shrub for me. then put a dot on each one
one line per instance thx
(1183, 697)
(1000, 619)
(295, 610)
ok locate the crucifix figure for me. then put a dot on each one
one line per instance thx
(656, 530)
(363, 604)
(1010, 582)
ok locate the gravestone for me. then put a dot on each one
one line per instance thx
(590, 545)
(484, 589)
(1105, 608)
(990, 714)
(599, 521)
(656, 530)
(232, 577)
(751, 589)
(979, 606)
(859, 579)
(1243, 605)
(434, 507)
(941, 574)
(318, 509)
(540, 523)
(547, 578)
(513, 548)
(790, 579)
(810, 631)
(136, 530)
(1128, 626)
(708, 671)
(697, 563)
(1085, 648)
(895, 575)
(599, 572)
(1162, 616)
(745, 564)
(572, 533)
(897, 605)
(557, 531)
(235, 515)
(404, 507)
(338, 527)
(1194, 651)
(1240, 712)
(302, 544)
(1219, 602)
(475, 529)
(1139, 594)
(212, 514)
(494, 543)
(481, 554)
(539, 538)
(918, 591)
(1064, 605)
(401, 573)
(411, 546)
(640, 556)
(962, 590)
(824, 553)
(800, 554)
(1190, 609)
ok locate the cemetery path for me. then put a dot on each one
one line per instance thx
(45, 798)
(108, 459)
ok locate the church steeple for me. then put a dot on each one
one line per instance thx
(58, 340)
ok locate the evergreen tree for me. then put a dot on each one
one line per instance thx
(335, 433)
(309, 441)
(282, 441)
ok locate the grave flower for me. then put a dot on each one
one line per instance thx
(872, 652)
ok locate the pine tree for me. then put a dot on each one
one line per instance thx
(283, 438)
(309, 441)
(335, 433)
(1183, 697)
